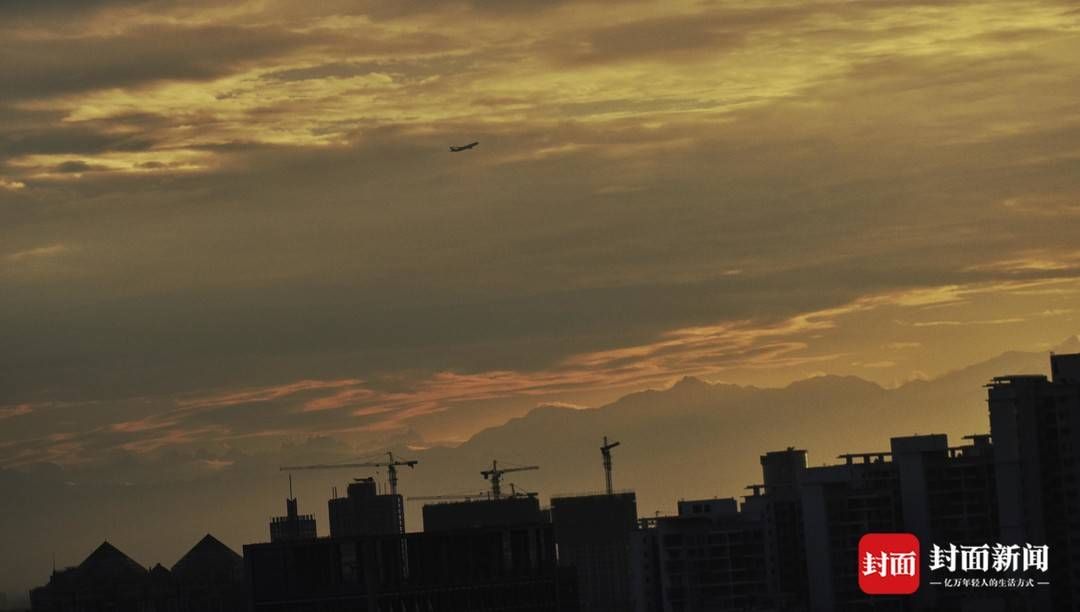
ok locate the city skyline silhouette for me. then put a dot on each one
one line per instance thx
(789, 544)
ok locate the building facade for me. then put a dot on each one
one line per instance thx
(777, 503)
(592, 533)
(708, 557)
(1035, 424)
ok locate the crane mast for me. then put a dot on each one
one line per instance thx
(605, 452)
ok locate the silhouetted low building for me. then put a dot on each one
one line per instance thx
(503, 568)
(592, 534)
(106, 580)
(209, 578)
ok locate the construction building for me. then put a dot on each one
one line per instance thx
(363, 511)
(292, 526)
(498, 568)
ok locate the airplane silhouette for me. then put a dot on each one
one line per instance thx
(463, 148)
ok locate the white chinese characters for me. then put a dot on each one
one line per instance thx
(889, 564)
(984, 558)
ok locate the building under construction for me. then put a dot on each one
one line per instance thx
(292, 526)
(507, 568)
(363, 511)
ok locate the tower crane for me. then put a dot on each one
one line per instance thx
(495, 475)
(455, 496)
(605, 452)
(391, 466)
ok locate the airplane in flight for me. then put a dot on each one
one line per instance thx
(463, 147)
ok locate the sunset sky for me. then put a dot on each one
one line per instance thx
(232, 225)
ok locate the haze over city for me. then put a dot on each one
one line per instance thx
(235, 231)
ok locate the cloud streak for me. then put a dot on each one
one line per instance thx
(355, 408)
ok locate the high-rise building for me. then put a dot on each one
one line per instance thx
(1035, 424)
(592, 534)
(709, 557)
(365, 512)
(715, 555)
(947, 497)
(923, 486)
(840, 504)
(645, 592)
(777, 503)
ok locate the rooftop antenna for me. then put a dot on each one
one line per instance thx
(605, 451)
(290, 487)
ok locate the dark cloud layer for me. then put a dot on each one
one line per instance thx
(34, 68)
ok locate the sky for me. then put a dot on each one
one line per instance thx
(233, 226)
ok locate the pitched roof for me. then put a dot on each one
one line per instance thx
(159, 570)
(160, 577)
(107, 562)
(208, 558)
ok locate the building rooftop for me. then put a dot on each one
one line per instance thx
(208, 556)
(108, 563)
